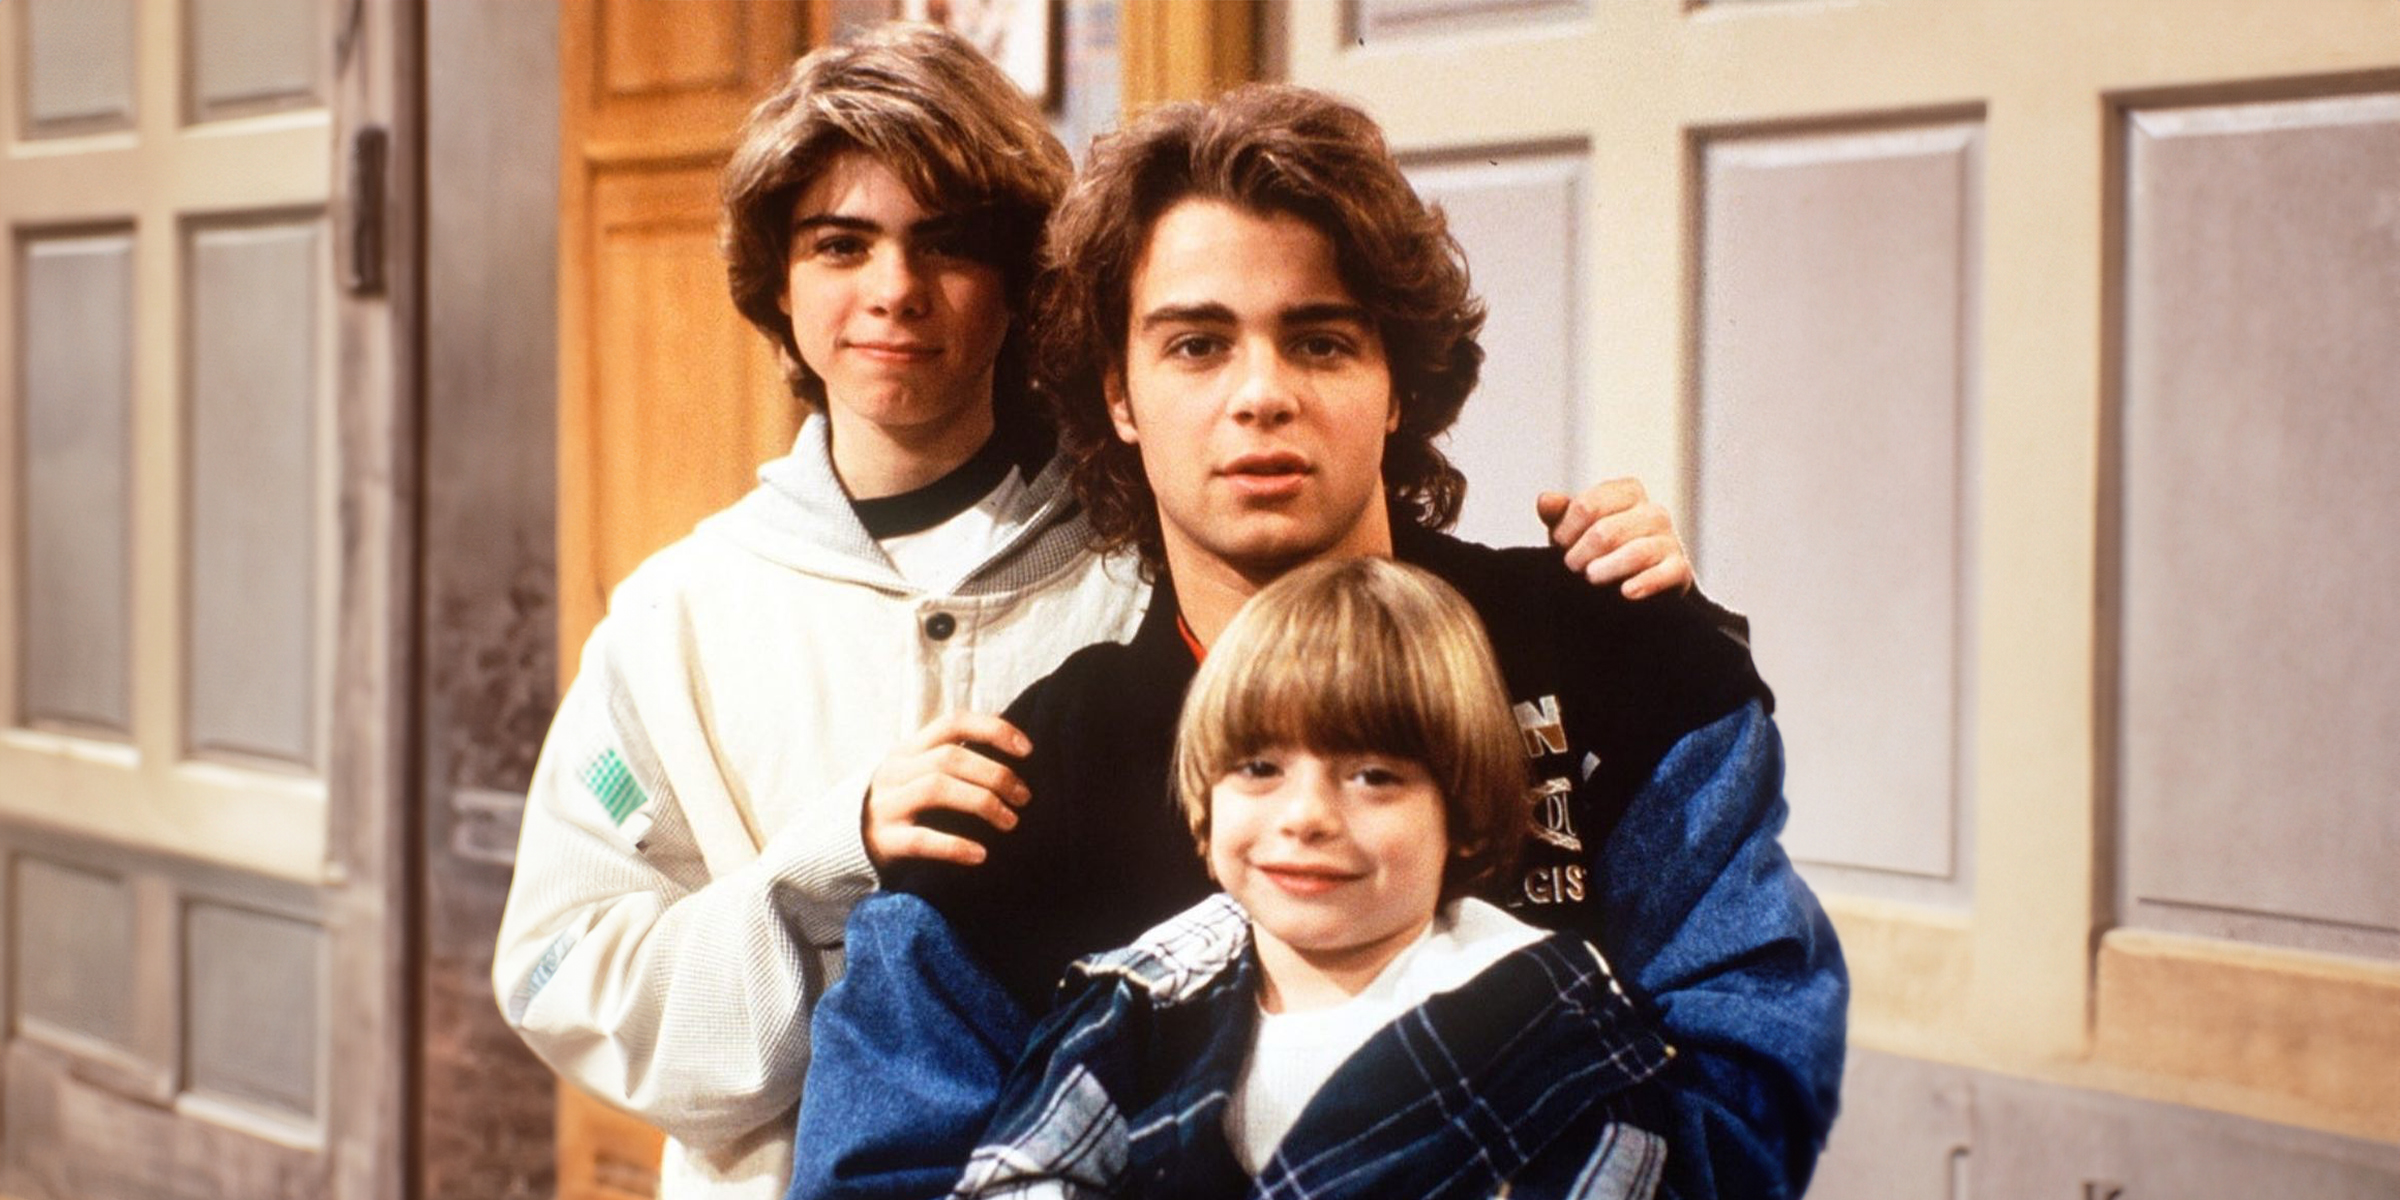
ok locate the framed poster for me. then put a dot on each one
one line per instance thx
(1016, 34)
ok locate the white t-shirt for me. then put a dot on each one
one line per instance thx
(1295, 1053)
(938, 557)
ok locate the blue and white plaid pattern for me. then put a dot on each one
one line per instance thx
(1527, 1081)
(1180, 956)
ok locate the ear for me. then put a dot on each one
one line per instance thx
(1391, 423)
(1120, 409)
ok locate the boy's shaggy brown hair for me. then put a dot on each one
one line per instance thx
(924, 103)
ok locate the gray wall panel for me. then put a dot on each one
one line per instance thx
(1837, 280)
(76, 313)
(254, 985)
(1905, 1131)
(252, 54)
(2052, 1141)
(1373, 19)
(2259, 774)
(74, 950)
(253, 489)
(1516, 214)
(1916, 1130)
(78, 65)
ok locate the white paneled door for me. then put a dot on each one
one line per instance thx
(202, 288)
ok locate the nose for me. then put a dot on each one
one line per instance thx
(894, 283)
(1266, 393)
(1307, 811)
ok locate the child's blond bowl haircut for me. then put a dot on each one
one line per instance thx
(1364, 655)
(924, 103)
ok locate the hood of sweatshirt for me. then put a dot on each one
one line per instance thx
(799, 517)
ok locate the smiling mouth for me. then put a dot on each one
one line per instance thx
(1306, 881)
(896, 351)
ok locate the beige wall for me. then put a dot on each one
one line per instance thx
(2025, 369)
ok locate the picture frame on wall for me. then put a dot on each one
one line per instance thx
(1018, 35)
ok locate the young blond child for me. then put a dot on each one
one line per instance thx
(1346, 1019)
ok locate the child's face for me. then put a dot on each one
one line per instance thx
(1338, 859)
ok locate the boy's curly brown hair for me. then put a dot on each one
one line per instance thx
(1265, 148)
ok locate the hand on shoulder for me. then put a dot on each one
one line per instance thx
(938, 770)
(1614, 532)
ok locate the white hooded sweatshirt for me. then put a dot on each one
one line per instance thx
(692, 841)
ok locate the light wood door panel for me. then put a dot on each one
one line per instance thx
(685, 397)
(668, 400)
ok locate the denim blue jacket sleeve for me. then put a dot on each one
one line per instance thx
(1717, 929)
(910, 1049)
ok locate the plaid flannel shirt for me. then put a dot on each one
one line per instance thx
(1527, 1081)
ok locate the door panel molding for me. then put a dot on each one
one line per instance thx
(2016, 966)
(262, 882)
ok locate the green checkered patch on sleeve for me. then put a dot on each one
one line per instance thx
(612, 785)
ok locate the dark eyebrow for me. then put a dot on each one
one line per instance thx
(942, 223)
(831, 221)
(937, 223)
(1187, 314)
(1208, 313)
(1327, 313)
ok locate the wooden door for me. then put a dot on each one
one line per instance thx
(668, 400)
(2004, 360)
(205, 303)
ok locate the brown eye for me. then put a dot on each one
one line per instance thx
(1254, 768)
(1322, 346)
(838, 247)
(968, 238)
(1194, 346)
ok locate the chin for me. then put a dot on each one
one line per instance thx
(1309, 939)
(1271, 553)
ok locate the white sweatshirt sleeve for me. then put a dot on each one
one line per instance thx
(670, 989)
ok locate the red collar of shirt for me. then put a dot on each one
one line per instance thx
(1191, 641)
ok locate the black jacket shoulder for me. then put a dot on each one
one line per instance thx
(1656, 668)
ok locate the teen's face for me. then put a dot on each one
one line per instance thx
(891, 307)
(1337, 858)
(1256, 388)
